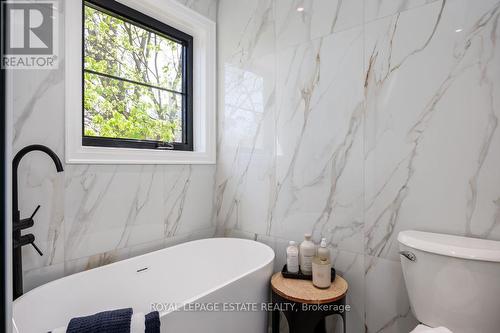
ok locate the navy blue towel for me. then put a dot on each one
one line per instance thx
(152, 322)
(117, 321)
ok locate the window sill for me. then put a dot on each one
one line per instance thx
(105, 155)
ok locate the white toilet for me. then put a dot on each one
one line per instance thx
(452, 281)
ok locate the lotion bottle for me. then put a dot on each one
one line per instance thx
(306, 253)
(292, 258)
(322, 267)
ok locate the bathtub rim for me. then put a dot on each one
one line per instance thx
(190, 300)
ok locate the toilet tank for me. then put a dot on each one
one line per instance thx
(452, 281)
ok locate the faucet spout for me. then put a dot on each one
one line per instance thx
(42, 148)
(17, 223)
(15, 165)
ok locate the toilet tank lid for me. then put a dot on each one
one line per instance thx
(452, 246)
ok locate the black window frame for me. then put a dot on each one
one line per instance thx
(146, 22)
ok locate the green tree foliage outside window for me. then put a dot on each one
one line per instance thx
(132, 81)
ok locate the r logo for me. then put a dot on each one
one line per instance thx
(31, 28)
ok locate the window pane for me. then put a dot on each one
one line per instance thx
(118, 109)
(122, 49)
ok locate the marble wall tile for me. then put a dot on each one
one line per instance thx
(47, 190)
(375, 9)
(115, 207)
(105, 203)
(245, 171)
(235, 233)
(245, 31)
(279, 246)
(188, 199)
(109, 257)
(431, 120)
(207, 8)
(318, 18)
(350, 266)
(246, 122)
(386, 302)
(319, 148)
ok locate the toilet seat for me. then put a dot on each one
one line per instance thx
(426, 329)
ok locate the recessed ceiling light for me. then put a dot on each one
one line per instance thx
(458, 30)
(300, 9)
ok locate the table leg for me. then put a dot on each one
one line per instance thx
(275, 325)
(342, 315)
(321, 326)
(305, 322)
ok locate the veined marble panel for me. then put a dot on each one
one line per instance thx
(246, 131)
(188, 199)
(350, 266)
(386, 301)
(245, 170)
(299, 21)
(245, 31)
(114, 207)
(207, 8)
(319, 151)
(432, 95)
(46, 190)
(375, 9)
(37, 105)
(109, 257)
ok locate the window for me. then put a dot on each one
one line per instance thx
(140, 83)
(137, 80)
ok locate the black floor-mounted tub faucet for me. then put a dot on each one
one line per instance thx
(19, 241)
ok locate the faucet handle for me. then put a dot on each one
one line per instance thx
(36, 248)
(30, 239)
(25, 240)
(35, 211)
(23, 224)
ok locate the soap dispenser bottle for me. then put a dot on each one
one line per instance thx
(292, 258)
(322, 267)
(306, 253)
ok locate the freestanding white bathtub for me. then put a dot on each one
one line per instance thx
(214, 274)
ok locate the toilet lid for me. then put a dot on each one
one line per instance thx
(427, 329)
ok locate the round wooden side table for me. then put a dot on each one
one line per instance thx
(305, 306)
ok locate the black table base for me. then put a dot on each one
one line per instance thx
(305, 320)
